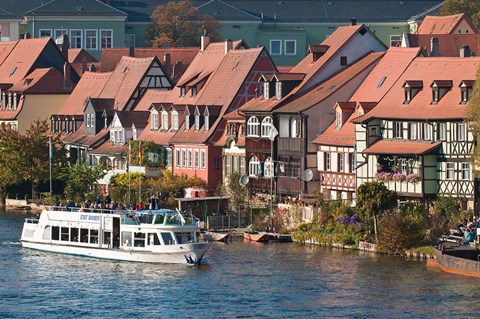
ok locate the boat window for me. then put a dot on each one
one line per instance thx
(55, 233)
(127, 239)
(146, 219)
(106, 237)
(183, 238)
(64, 233)
(93, 236)
(46, 233)
(139, 240)
(153, 239)
(128, 220)
(167, 239)
(159, 219)
(74, 234)
(84, 235)
(173, 219)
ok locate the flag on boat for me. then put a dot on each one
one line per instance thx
(140, 154)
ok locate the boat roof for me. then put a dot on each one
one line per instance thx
(162, 211)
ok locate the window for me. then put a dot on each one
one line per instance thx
(197, 122)
(295, 128)
(266, 90)
(193, 91)
(155, 121)
(44, 33)
(217, 163)
(435, 95)
(412, 131)
(254, 166)
(328, 163)
(395, 40)
(450, 170)
(242, 165)
(184, 158)
(268, 168)
(202, 159)
(290, 47)
(403, 167)
(235, 163)
(461, 132)
(206, 124)
(60, 32)
(339, 119)
(228, 169)
(278, 90)
(189, 158)
(343, 60)
(465, 171)
(174, 121)
(76, 39)
(380, 83)
(91, 40)
(352, 162)
(90, 120)
(442, 131)
(182, 91)
(196, 159)
(177, 158)
(253, 126)
(373, 131)
(106, 39)
(275, 47)
(187, 121)
(164, 120)
(267, 126)
(397, 130)
(341, 162)
(408, 96)
(129, 40)
(427, 131)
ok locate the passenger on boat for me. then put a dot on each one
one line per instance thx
(140, 206)
(70, 205)
(469, 236)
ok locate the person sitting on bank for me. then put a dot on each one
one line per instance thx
(469, 236)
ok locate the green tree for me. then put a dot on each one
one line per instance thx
(470, 7)
(80, 180)
(374, 198)
(473, 118)
(10, 160)
(179, 24)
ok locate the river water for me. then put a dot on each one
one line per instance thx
(238, 280)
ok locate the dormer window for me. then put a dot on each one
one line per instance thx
(9, 101)
(411, 89)
(266, 90)
(439, 89)
(182, 91)
(164, 120)
(194, 91)
(14, 101)
(187, 120)
(253, 126)
(89, 119)
(154, 120)
(466, 87)
(206, 117)
(197, 119)
(339, 118)
(174, 120)
(278, 90)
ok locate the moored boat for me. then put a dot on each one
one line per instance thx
(256, 236)
(214, 236)
(151, 236)
(458, 259)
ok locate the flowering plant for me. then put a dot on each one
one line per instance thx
(398, 177)
(412, 178)
(384, 176)
(348, 219)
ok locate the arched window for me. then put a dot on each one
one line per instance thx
(295, 126)
(267, 126)
(252, 126)
(268, 166)
(253, 166)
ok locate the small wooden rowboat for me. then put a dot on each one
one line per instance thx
(214, 236)
(256, 236)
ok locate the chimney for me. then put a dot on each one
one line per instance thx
(465, 51)
(26, 35)
(166, 58)
(84, 64)
(67, 83)
(434, 50)
(353, 21)
(131, 51)
(204, 42)
(228, 45)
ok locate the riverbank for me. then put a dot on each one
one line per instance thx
(22, 205)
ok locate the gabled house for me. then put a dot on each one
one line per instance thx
(285, 96)
(452, 24)
(336, 145)
(416, 139)
(81, 60)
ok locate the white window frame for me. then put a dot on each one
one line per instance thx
(295, 128)
(45, 36)
(266, 90)
(59, 32)
(341, 162)
(202, 159)
(72, 42)
(466, 171)
(177, 158)
(352, 162)
(106, 37)
(164, 120)
(279, 47)
(95, 43)
(294, 47)
(278, 90)
(197, 122)
(412, 131)
(253, 126)
(398, 130)
(174, 121)
(196, 159)
(266, 127)
(396, 38)
(328, 161)
(427, 132)
(442, 131)
(450, 171)
(190, 158)
(461, 129)
(338, 116)
(253, 165)
(206, 122)
(268, 168)
(154, 125)
(184, 158)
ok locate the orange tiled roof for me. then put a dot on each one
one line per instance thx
(76, 58)
(90, 85)
(80, 138)
(234, 115)
(443, 24)
(107, 148)
(420, 108)
(448, 44)
(392, 146)
(42, 81)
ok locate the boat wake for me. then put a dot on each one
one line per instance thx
(11, 243)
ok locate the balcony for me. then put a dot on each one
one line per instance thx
(338, 180)
(289, 185)
(290, 144)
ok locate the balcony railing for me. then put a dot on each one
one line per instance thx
(290, 144)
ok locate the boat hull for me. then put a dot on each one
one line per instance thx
(457, 265)
(185, 254)
(214, 236)
(258, 237)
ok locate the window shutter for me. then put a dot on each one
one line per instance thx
(321, 161)
(334, 162)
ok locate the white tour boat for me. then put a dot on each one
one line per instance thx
(154, 236)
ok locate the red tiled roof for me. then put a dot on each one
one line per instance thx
(284, 68)
(234, 115)
(289, 76)
(180, 58)
(42, 81)
(90, 85)
(448, 44)
(80, 138)
(156, 96)
(443, 24)
(76, 58)
(107, 148)
(138, 118)
(428, 69)
(5, 49)
(390, 146)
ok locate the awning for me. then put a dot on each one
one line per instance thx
(401, 147)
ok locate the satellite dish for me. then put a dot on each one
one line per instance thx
(307, 175)
(244, 180)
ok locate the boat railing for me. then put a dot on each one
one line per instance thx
(31, 220)
(90, 210)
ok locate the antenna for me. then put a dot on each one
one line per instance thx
(307, 175)
(244, 180)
